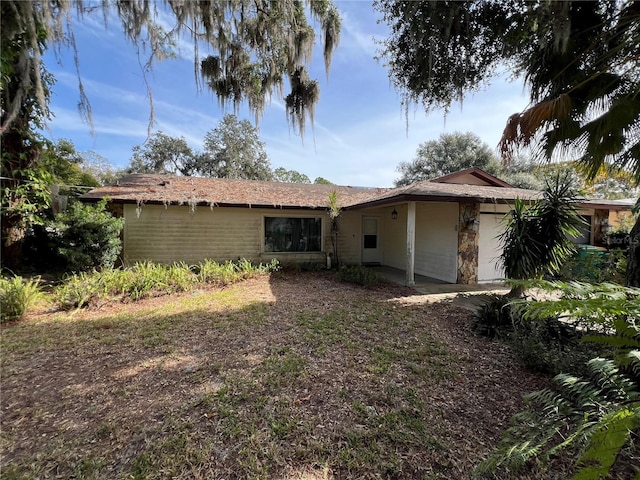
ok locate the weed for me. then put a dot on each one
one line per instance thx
(359, 275)
(493, 318)
(146, 279)
(17, 296)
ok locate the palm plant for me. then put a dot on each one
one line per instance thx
(536, 239)
(334, 212)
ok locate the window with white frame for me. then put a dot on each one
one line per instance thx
(291, 234)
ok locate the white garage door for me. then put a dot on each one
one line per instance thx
(489, 250)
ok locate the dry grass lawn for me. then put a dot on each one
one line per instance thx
(287, 376)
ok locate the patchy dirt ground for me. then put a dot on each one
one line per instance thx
(291, 376)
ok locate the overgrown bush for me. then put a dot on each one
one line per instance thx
(595, 266)
(17, 296)
(305, 267)
(536, 239)
(551, 346)
(86, 236)
(147, 279)
(359, 275)
(493, 318)
(592, 419)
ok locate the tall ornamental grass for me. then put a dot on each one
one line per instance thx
(147, 279)
(17, 296)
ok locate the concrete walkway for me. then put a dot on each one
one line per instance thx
(465, 296)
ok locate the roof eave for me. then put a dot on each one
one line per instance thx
(204, 203)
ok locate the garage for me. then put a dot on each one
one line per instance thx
(489, 250)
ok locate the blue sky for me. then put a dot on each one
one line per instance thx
(360, 134)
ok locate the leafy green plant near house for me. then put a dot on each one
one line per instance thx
(86, 236)
(493, 318)
(595, 418)
(17, 296)
(147, 279)
(359, 275)
(536, 240)
(595, 266)
(334, 214)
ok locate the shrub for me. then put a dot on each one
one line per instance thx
(229, 272)
(595, 266)
(493, 318)
(17, 296)
(145, 279)
(86, 236)
(592, 419)
(78, 290)
(359, 275)
(536, 239)
(551, 346)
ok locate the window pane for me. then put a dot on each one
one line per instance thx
(370, 241)
(283, 234)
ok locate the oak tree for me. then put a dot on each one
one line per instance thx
(578, 59)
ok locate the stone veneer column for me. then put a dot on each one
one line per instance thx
(468, 224)
(599, 221)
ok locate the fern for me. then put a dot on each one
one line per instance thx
(596, 418)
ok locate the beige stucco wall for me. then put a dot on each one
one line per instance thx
(394, 247)
(174, 233)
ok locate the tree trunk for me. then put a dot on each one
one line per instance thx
(12, 239)
(633, 262)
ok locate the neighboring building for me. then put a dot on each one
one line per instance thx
(444, 228)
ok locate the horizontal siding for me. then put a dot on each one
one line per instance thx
(395, 237)
(173, 234)
(349, 237)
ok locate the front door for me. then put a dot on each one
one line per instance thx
(370, 240)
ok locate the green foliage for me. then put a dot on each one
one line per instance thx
(596, 418)
(493, 318)
(322, 181)
(594, 266)
(551, 346)
(86, 236)
(578, 59)
(252, 47)
(234, 150)
(334, 211)
(450, 153)
(599, 305)
(281, 174)
(146, 279)
(17, 296)
(162, 153)
(359, 275)
(536, 239)
(29, 198)
(65, 165)
(230, 272)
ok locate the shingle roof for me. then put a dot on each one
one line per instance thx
(428, 190)
(169, 189)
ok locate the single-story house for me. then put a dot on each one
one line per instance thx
(444, 228)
